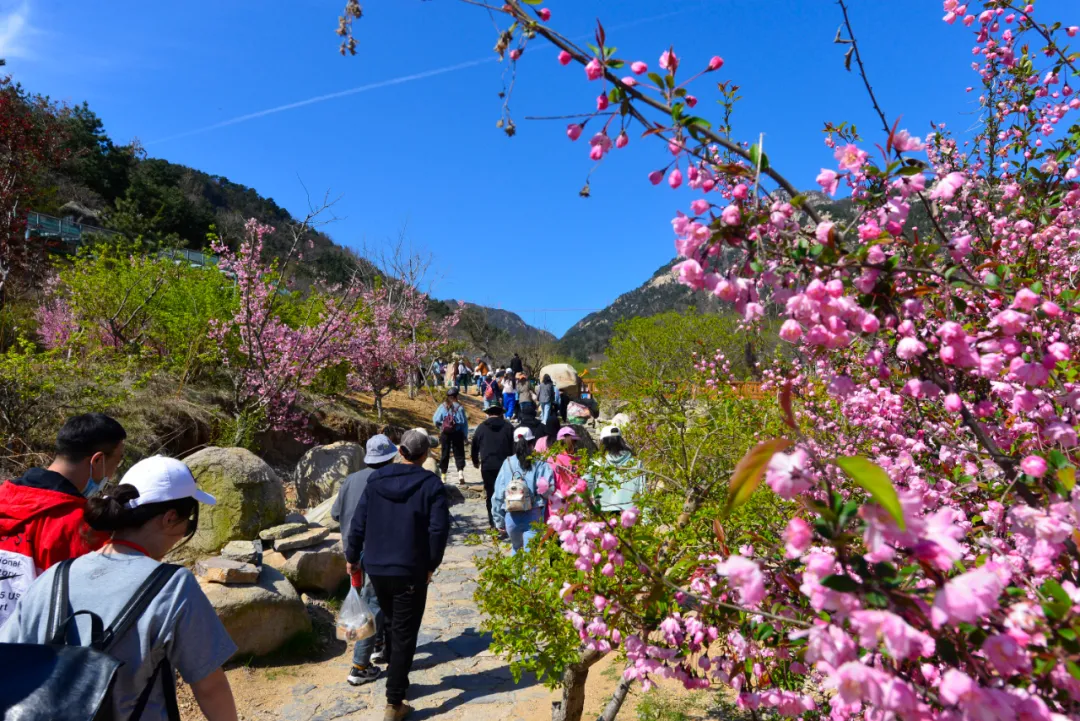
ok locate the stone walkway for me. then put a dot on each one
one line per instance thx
(454, 675)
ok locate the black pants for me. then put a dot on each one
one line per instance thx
(452, 440)
(489, 475)
(403, 600)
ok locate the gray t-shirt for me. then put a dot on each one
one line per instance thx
(179, 624)
(348, 498)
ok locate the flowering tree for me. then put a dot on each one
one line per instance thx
(929, 566)
(393, 338)
(271, 361)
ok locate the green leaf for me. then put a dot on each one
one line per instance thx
(838, 582)
(1067, 477)
(1074, 669)
(992, 280)
(1053, 589)
(875, 481)
(1037, 287)
(655, 77)
(748, 471)
(757, 156)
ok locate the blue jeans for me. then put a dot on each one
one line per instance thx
(366, 646)
(545, 412)
(509, 402)
(519, 527)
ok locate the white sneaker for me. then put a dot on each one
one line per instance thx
(445, 476)
(461, 477)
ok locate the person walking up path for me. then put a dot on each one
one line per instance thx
(401, 528)
(492, 443)
(368, 651)
(509, 395)
(521, 491)
(546, 397)
(453, 426)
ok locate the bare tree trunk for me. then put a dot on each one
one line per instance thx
(616, 702)
(378, 405)
(572, 705)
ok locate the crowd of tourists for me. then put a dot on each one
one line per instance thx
(87, 602)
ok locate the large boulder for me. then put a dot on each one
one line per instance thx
(250, 496)
(323, 468)
(262, 616)
(320, 515)
(317, 568)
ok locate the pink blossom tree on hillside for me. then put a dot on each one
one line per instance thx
(270, 361)
(392, 338)
(930, 566)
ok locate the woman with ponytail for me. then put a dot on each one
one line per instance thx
(155, 507)
(538, 481)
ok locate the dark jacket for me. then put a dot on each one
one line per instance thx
(401, 524)
(492, 442)
(516, 365)
(530, 421)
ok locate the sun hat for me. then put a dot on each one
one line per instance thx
(495, 410)
(160, 478)
(524, 433)
(566, 432)
(414, 444)
(610, 432)
(379, 449)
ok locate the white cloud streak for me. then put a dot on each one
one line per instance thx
(380, 84)
(324, 98)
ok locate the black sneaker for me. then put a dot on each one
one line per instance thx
(363, 674)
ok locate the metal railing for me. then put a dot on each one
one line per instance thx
(61, 235)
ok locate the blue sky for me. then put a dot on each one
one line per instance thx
(502, 216)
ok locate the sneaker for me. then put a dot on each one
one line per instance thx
(461, 477)
(380, 655)
(363, 674)
(445, 476)
(396, 713)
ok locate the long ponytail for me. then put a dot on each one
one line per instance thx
(523, 451)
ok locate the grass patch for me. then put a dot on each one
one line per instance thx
(663, 705)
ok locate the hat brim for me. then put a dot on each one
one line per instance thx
(380, 458)
(204, 498)
(495, 410)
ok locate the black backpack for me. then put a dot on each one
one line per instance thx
(58, 682)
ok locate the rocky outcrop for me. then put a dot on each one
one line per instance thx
(250, 496)
(310, 537)
(317, 568)
(323, 468)
(259, 617)
(225, 570)
(320, 515)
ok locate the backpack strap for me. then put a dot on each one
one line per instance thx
(58, 604)
(168, 689)
(138, 603)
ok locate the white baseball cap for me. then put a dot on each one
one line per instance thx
(160, 478)
(609, 432)
(524, 433)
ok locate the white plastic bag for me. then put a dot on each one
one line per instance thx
(355, 621)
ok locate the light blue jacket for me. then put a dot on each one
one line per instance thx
(539, 469)
(628, 474)
(461, 421)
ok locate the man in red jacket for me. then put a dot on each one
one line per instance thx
(41, 513)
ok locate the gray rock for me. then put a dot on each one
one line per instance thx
(309, 537)
(317, 568)
(259, 617)
(320, 515)
(322, 469)
(225, 570)
(245, 551)
(250, 496)
(295, 517)
(285, 530)
(273, 559)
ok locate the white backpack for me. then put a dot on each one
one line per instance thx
(518, 495)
